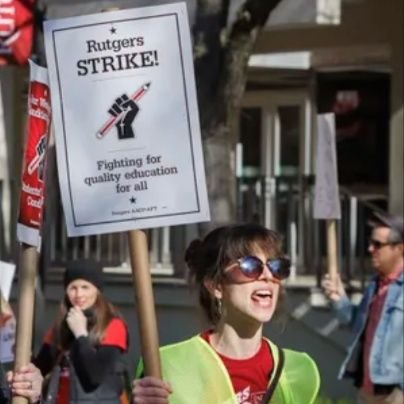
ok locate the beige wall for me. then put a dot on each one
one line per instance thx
(362, 23)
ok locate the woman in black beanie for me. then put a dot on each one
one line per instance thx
(82, 352)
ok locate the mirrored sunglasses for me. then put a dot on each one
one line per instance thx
(252, 267)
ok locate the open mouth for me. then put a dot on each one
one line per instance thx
(262, 296)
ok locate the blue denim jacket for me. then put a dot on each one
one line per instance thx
(387, 350)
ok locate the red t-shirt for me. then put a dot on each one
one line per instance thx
(115, 335)
(249, 376)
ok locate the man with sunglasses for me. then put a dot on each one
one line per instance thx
(375, 358)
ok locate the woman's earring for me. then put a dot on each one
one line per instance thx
(219, 307)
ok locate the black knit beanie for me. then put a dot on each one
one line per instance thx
(87, 269)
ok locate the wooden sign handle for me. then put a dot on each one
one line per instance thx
(142, 285)
(332, 248)
(26, 299)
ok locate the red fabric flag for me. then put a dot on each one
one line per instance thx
(16, 30)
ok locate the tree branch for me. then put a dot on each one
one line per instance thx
(221, 56)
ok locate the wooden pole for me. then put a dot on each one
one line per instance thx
(332, 248)
(142, 285)
(26, 299)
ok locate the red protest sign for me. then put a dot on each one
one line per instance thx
(16, 30)
(33, 172)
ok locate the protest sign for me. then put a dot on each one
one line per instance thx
(326, 193)
(7, 271)
(7, 318)
(31, 209)
(126, 122)
(33, 172)
(7, 331)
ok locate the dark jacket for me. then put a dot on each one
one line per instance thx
(96, 374)
(4, 390)
(106, 392)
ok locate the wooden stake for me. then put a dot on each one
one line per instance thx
(332, 248)
(26, 299)
(142, 285)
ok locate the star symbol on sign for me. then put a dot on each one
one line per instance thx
(132, 200)
(113, 30)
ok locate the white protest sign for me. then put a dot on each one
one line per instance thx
(7, 331)
(126, 121)
(7, 271)
(326, 193)
(7, 318)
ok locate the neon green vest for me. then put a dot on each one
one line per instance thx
(197, 375)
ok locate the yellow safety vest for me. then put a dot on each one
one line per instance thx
(197, 375)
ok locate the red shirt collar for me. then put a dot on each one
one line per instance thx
(392, 276)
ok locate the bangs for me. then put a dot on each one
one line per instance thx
(242, 243)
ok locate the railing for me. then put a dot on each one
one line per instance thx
(305, 237)
(109, 249)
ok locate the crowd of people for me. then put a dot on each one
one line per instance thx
(238, 271)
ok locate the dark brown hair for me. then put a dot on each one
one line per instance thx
(207, 258)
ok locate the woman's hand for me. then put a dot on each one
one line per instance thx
(150, 390)
(77, 322)
(26, 382)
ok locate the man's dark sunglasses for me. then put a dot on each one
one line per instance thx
(377, 245)
(252, 267)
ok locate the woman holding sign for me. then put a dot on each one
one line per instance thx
(239, 270)
(82, 353)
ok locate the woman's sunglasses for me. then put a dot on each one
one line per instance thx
(252, 267)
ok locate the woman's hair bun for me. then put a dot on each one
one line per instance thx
(193, 252)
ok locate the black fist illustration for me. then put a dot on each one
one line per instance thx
(129, 109)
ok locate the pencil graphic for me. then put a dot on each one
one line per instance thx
(34, 164)
(136, 96)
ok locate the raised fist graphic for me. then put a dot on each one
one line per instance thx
(129, 109)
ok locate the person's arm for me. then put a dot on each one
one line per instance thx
(344, 310)
(45, 359)
(335, 291)
(92, 364)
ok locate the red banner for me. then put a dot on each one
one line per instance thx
(33, 173)
(16, 30)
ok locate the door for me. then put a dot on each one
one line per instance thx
(275, 134)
